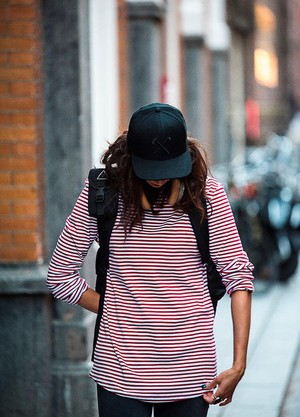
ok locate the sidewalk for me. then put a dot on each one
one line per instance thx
(291, 405)
(273, 350)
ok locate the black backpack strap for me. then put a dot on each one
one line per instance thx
(201, 230)
(102, 204)
(200, 227)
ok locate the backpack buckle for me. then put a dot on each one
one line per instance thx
(101, 180)
(100, 195)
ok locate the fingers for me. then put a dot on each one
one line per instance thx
(214, 395)
(214, 399)
(221, 401)
(212, 385)
(221, 389)
(217, 400)
(208, 397)
(225, 401)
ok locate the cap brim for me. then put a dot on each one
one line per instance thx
(159, 170)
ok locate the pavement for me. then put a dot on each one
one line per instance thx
(271, 384)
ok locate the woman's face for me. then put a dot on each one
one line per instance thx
(156, 183)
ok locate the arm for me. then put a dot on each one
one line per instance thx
(225, 246)
(241, 317)
(236, 270)
(226, 382)
(90, 300)
(78, 235)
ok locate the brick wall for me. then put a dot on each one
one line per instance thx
(21, 135)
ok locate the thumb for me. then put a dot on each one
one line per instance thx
(208, 397)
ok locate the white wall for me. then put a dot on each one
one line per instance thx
(104, 75)
(237, 97)
(217, 36)
(172, 87)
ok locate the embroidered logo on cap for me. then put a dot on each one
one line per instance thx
(161, 145)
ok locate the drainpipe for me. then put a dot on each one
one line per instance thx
(192, 19)
(145, 48)
(217, 40)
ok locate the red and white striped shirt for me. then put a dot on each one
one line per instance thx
(156, 339)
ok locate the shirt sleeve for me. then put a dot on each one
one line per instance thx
(80, 231)
(225, 245)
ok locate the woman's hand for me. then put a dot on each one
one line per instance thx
(223, 387)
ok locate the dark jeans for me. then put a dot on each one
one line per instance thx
(112, 405)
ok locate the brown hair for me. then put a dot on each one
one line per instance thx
(117, 161)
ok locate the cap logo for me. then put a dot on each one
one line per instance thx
(161, 145)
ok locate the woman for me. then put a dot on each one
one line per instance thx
(155, 346)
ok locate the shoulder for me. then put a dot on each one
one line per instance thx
(212, 187)
(216, 195)
(81, 205)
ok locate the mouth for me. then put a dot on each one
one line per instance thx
(157, 184)
(154, 185)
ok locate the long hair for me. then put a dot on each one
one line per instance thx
(117, 161)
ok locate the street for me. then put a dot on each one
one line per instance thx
(268, 388)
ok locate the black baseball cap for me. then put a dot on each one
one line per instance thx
(157, 141)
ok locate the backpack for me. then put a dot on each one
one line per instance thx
(103, 204)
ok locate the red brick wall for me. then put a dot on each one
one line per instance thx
(21, 137)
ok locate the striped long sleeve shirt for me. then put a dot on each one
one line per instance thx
(155, 341)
